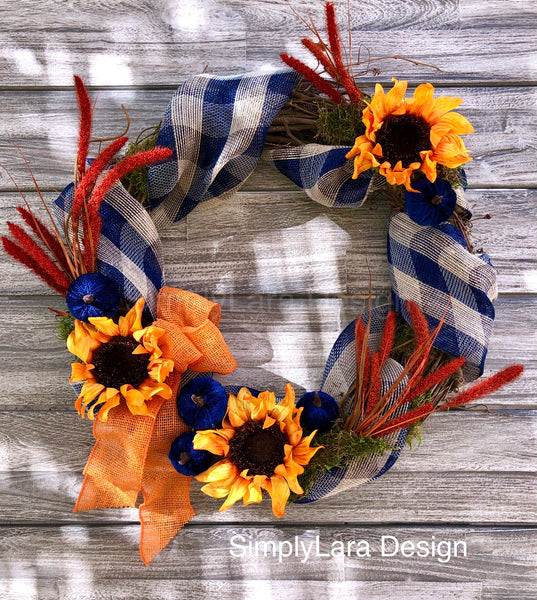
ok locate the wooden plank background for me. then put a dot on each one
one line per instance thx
(289, 276)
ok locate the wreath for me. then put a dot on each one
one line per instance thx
(146, 353)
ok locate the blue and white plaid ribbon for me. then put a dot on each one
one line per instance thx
(432, 267)
(323, 173)
(339, 376)
(216, 127)
(129, 249)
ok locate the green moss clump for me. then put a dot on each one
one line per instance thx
(339, 448)
(340, 126)
(136, 182)
(415, 430)
(455, 177)
(65, 324)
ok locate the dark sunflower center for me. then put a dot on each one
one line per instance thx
(116, 365)
(256, 449)
(402, 138)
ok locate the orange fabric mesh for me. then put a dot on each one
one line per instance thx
(166, 506)
(131, 453)
(113, 473)
(196, 326)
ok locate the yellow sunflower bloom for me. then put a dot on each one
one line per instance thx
(120, 362)
(404, 135)
(263, 448)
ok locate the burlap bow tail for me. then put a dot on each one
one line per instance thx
(131, 452)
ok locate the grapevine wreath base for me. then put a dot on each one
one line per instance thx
(141, 346)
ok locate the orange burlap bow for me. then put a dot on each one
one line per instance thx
(131, 452)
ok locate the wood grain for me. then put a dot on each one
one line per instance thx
(449, 443)
(502, 560)
(142, 44)
(44, 124)
(445, 497)
(274, 340)
(289, 276)
(294, 590)
(283, 243)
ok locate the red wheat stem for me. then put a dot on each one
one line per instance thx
(489, 385)
(84, 105)
(388, 337)
(25, 259)
(335, 46)
(321, 84)
(404, 420)
(375, 385)
(419, 321)
(127, 165)
(86, 184)
(39, 228)
(434, 378)
(321, 56)
(38, 254)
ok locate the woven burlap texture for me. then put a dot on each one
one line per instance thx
(131, 452)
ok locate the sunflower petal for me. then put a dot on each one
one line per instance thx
(237, 491)
(108, 406)
(450, 123)
(239, 407)
(451, 152)
(283, 409)
(423, 96)
(134, 316)
(214, 441)
(279, 491)
(80, 372)
(394, 98)
(221, 472)
(253, 495)
(440, 107)
(105, 325)
(132, 396)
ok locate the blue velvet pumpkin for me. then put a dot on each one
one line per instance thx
(185, 459)
(92, 295)
(202, 403)
(432, 204)
(320, 411)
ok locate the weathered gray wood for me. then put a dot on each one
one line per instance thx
(419, 497)
(294, 590)
(153, 44)
(378, 16)
(449, 443)
(270, 241)
(283, 243)
(274, 340)
(44, 124)
(501, 560)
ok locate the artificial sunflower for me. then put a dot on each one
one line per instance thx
(121, 361)
(263, 449)
(404, 135)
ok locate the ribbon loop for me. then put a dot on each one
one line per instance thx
(339, 376)
(432, 267)
(324, 174)
(216, 127)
